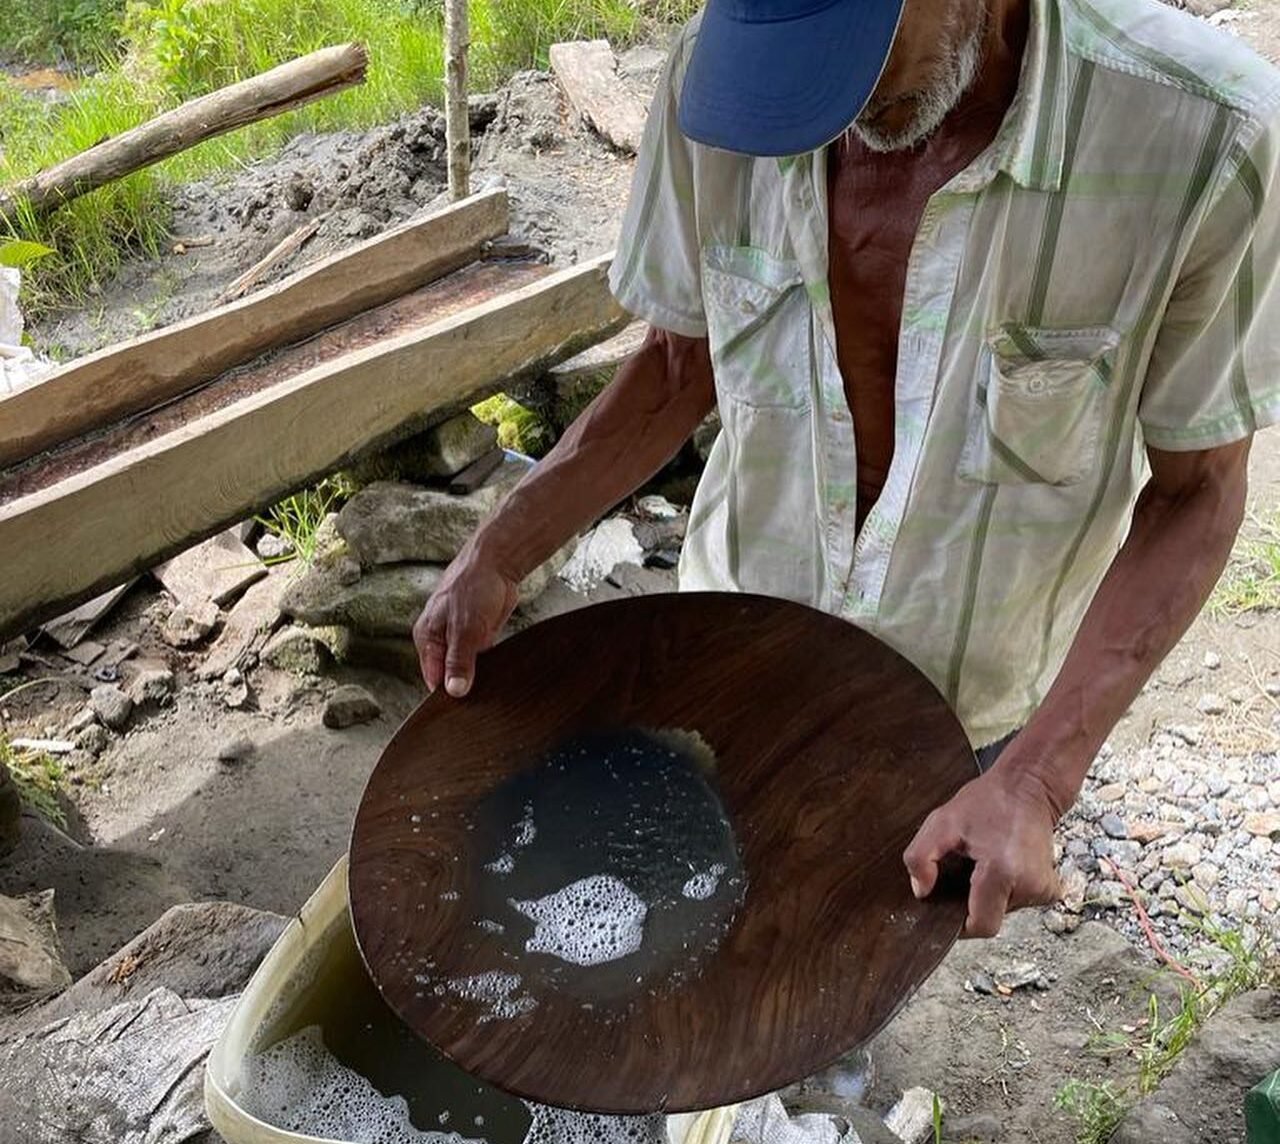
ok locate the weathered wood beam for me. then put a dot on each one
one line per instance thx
(96, 390)
(65, 543)
(281, 89)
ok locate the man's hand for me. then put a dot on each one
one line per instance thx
(1004, 823)
(462, 618)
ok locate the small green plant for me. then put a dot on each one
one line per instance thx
(40, 780)
(1251, 580)
(1097, 1107)
(297, 518)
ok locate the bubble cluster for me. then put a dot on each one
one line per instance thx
(499, 991)
(298, 1085)
(561, 1126)
(701, 886)
(588, 922)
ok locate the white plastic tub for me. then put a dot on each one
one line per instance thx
(275, 1005)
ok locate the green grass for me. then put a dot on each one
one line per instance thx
(166, 51)
(298, 518)
(40, 780)
(1251, 580)
(1232, 965)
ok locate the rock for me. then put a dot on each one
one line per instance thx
(236, 750)
(198, 949)
(1152, 1123)
(93, 739)
(30, 953)
(911, 1119)
(610, 543)
(133, 1072)
(85, 717)
(1265, 824)
(273, 546)
(383, 602)
(349, 705)
(392, 523)
(249, 623)
(1212, 660)
(152, 687)
(112, 706)
(296, 650)
(1182, 855)
(1212, 704)
(188, 624)
(451, 446)
(1113, 826)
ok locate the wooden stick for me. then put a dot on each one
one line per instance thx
(457, 39)
(73, 539)
(281, 89)
(277, 254)
(115, 382)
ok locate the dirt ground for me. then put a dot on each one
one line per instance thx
(159, 819)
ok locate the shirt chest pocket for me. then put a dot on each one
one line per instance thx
(1041, 399)
(758, 326)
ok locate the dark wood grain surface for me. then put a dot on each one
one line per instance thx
(830, 750)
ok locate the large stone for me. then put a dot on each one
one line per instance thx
(190, 623)
(349, 705)
(30, 954)
(111, 705)
(132, 1074)
(389, 523)
(199, 949)
(387, 601)
(249, 623)
(382, 602)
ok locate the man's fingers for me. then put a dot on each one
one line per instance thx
(989, 892)
(429, 635)
(937, 838)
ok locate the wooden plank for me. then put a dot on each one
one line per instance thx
(283, 88)
(65, 542)
(587, 71)
(132, 377)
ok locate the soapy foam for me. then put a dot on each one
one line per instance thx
(496, 989)
(588, 922)
(701, 886)
(300, 1086)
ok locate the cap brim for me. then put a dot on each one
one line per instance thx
(785, 87)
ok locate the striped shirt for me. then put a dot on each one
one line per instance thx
(1102, 277)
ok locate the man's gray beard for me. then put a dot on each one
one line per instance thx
(935, 102)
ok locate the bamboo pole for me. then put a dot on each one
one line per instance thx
(457, 39)
(281, 89)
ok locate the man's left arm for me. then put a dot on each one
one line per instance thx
(1184, 525)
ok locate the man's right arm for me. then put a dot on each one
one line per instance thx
(636, 425)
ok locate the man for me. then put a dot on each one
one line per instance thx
(990, 318)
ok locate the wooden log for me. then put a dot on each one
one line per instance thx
(587, 71)
(64, 543)
(457, 39)
(281, 89)
(139, 374)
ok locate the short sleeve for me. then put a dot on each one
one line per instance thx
(1214, 375)
(656, 272)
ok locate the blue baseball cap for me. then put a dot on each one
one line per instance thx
(782, 77)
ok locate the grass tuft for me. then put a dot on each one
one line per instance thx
(1251, 580)
(40, 780)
